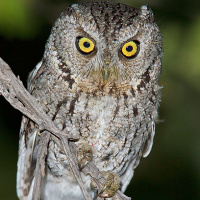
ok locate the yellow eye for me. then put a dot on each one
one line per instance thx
(84, 45)
(130, 49)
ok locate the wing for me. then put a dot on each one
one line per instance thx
(27, 151)
(127, 176)
(26, 160)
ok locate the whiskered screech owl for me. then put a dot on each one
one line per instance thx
(98, 79)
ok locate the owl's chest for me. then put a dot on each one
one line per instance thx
(111, 125)
(96, 118)
(106, 123)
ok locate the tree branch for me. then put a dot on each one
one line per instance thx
(16, 94)
(40, 165)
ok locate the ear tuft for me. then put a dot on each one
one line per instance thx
(147, 13)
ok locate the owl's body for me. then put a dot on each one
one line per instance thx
(108, 99)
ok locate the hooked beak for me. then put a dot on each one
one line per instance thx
(105, 73)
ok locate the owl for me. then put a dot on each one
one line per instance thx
(98, 79)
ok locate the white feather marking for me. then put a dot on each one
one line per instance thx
(37, 67)
(149, 143)
(35, 133)
(33, 74)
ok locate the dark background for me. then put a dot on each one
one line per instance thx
(172, 170)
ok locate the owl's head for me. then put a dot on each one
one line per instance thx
(106, 45)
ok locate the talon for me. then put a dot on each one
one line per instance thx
(93, 185)
(84, 155)
(39, 133)
(110, 186)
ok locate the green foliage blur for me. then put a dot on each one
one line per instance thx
(172, 170)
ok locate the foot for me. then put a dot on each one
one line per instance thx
(110, 186)
(84, 155)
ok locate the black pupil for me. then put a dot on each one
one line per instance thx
(129, 48)
(86, 44)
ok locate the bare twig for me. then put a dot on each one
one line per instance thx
(40, 165)
(16, 94)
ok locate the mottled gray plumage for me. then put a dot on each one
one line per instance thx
(107, 99)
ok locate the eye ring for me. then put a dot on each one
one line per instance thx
(130, 49)
(85, 45)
